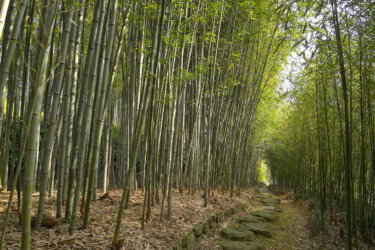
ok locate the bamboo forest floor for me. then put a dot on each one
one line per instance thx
(293, 229)
(157, 234)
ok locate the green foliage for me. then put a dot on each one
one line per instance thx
(263, 172)
(210, 37)
(116, 132)
(248, 7)
(151, 9)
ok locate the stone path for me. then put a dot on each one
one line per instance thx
(274, 223)
(248, 232)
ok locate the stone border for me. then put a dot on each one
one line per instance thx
(189, 241)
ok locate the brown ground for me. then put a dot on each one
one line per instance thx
(292, 232)
(187, 211)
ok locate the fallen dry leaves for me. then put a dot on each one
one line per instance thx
(157, 234)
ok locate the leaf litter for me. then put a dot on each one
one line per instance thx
(187, 210)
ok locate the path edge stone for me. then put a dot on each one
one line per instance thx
(189, 240)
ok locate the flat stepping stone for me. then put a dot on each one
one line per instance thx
(277, 209)
(237, 234)
(270, 204)
(250, 219)
(269, 207)
(268, 215)
(257, 229)
(271, 201)
(263, 196)
(238, 245)
(272, 208)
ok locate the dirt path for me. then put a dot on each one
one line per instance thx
(289, 231)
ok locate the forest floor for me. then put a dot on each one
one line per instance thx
(157, 234)
(291, 231)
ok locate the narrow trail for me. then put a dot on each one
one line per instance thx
(274, 223)
(290, 230)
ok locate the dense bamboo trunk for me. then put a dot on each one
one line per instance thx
(102, 108)
(94, 74)
(5, 153)
(48, 148)
(35, 124)
(140, 126)
(3, 13)
(8, 55)
(78, 142)
(348, 149)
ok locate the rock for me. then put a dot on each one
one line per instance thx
(206, 227)
(220, 216)
(234, 210)
(237, 234)
(262, 196)
(273, 207)
(213, 225)
(106, 196)
(177, 245)
(250, 219)
(228, 213)
(48, 220)
(242, 206)
(188, 242)
(197, 229)
(238, 245)
(271, 201)
(212, 222)
(257, 229)
(268, 207)
(278, 209)
(268, 215)
(234, 226)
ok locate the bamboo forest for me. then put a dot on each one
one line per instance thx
(187, 124)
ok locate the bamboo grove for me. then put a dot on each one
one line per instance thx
(151, 95)
(328, 148)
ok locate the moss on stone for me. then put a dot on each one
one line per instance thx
(271, 201)
(228, 213)
(237, 245)
(188, 242)
(234, 226)
(206, 227)
(268, 215)
(220, 216)
(234, 210)
(197, 229)
(177, 245)
(257, 229)
(249, 219)
(237, 234)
